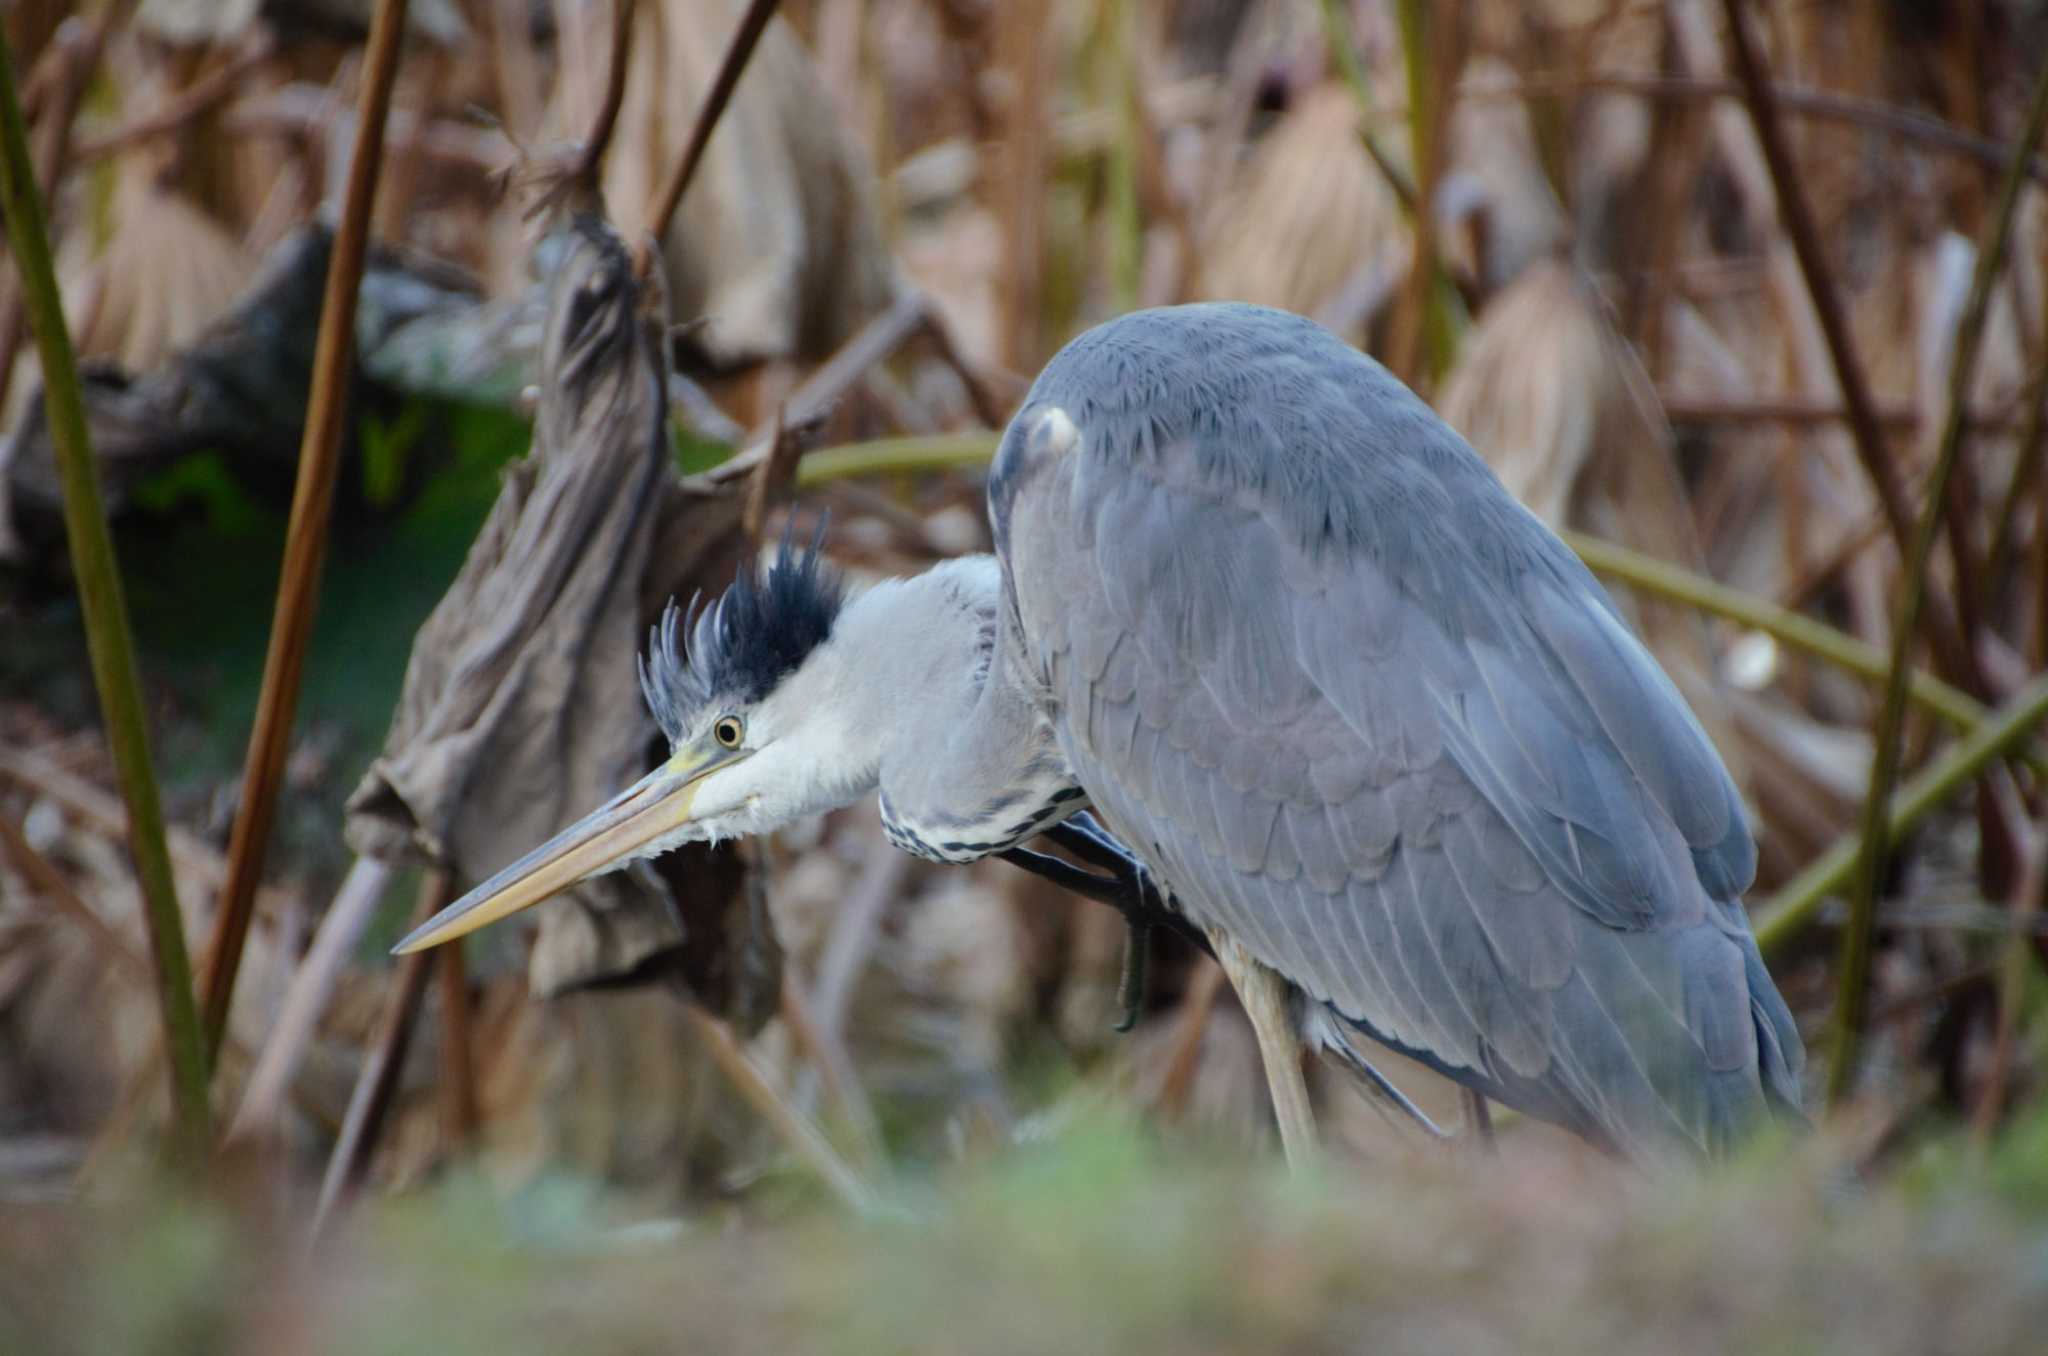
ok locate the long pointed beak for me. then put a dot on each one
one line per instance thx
(656, 805)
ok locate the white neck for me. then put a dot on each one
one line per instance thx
(901, 698)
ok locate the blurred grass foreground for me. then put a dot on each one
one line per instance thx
(1098, 1238)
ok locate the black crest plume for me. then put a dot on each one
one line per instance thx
(761, 628)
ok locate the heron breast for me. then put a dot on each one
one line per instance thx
(1016, 816)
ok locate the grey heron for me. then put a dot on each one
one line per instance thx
(1264, 630)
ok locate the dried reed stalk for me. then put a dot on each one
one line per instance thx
(306, 533)
(752, 24)
(377, 1081)
(1852, 979)
(1022, 48)
(1816, 104)
(1958, 660)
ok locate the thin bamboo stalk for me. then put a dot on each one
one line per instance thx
(306, 533)
(1680, 585)
(106, 620)
(1951, 645)
(1424, 333)
(1786, 914)
(1817, 104)
(1022, 48)
(1853, 975)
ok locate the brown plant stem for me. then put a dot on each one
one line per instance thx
(106, 620)
(378, 1078)
(1819, 105)
(50, 882)
(574, 183)
(306, 533)
(1852, 980)
(2026, 474)
(1951, 645)
(459, 1113)
(752, 24)
(1022, 52)
(1190, 1023)
(614, 90)
(836, 1072)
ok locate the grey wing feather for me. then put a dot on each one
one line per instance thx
(1365, 714)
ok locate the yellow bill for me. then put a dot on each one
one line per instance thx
(653, 807)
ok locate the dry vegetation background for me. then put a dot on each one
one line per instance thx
(1559, 221)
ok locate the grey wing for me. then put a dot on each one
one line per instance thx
(1466, 811)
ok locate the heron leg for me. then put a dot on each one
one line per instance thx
(1130, 890)
(1321, 1031)
(1119, 894)
(1268, 1000)
(1478, 1120)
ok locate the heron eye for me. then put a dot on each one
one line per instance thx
(728, 731)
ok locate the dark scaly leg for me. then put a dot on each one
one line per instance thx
(1129, 889)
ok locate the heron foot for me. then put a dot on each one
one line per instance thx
(1130, 889)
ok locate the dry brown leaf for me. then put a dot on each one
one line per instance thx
(520, 710)
(1306, 213)
(167, 273)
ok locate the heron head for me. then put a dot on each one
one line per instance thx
(738, 688)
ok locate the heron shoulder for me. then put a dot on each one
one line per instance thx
(1266, 409)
